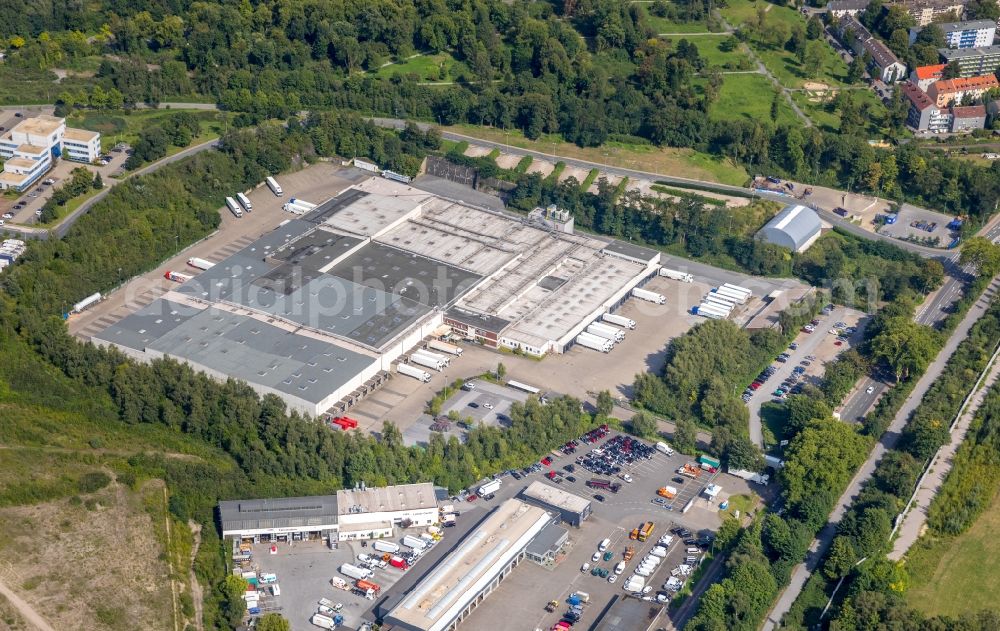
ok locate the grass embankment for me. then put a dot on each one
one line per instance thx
(644, 157)
(118, 127)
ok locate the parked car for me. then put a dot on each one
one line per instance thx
(870, 389)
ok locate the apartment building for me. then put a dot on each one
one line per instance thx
(32, 146)
(969, 34)
(840, 8)
(948, 91)
(925, 12)
(925, 76)
(925, 115)
(972, 62)
(884, 63)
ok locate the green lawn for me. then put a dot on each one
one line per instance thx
(125, 126)
(956, 575)
(20, 86)
(737, 12)
(439, 67)
(665, 25)
(824, 112)
(786, 67)
(708, 48)
(749, 96)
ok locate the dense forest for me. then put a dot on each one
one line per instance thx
(589, 70)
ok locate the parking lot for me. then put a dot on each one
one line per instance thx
(805, 361)
(532, 586)
(920, 223)
(487, 403)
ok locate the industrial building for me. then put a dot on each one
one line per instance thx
(366, 513)
(570, 508)
(319, 310)
(547, 544)
(29, 150)
(450, 591)
(796, 227)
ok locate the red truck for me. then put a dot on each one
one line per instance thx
(608, 485)
(399, 562)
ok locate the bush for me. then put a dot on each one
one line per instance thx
(92, 482)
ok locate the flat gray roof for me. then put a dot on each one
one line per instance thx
(282, 512)
(960, 53)
(241, 347)
(407, 274)
(387, 499)
(550, 495)
(632, 251)
(493, 324)
(548, 540)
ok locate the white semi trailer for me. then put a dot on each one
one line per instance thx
(201, 264)
(719, 300)
(413, 371)
(445, 347)
(684, 277)
(444, 359)
(274, 186)
(708, 311)
(606, 331)
(301, 202)
(589, 340)
(747, 294)
(735, 296)
(428, 362)
(234, 207)
(620, 320)
(649, 296)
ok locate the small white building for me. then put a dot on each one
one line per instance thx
(372, 513)
(31, 147)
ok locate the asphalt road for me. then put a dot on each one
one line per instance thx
(888, 441)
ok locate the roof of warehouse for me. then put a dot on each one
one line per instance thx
(552, 496)
(386, 499)
(282, 512)
(798, 222)
(436, 601)
(633, 251)
(490, 323)
(241, 347)
(548, 540)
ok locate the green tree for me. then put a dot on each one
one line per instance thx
(643, 424)
(605, 404)
(856, 71)
(743, 454)
(501, 371)
(905, 346)
(273, 622)
(982, 254)
(840, 559)
(98, 182)
(685, 437)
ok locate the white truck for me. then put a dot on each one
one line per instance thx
(274, 186)
(234, 207)
(663, 447)
(489, 488)
(413, 371)
(736, 289)
(445, 347)
(243, 199)
(620, 320)
(426, 361)
(712, 299)
(649, 296)
(684, 277)
(606, 331)
(294, 208)
(589, 340)
(355, 572)
(444, 359)
(92, 299)
(723, 297)
(201, 264)
(712, 312)
(386, 546)
(303, 203)
(321, 621)
(730, 294)
(750, 476)
(414, 542)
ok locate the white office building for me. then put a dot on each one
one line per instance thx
(30, 148)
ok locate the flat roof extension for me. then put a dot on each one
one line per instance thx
(282, 512)
(386, 499)
(552, 496)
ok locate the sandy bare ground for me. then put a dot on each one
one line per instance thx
(542, 167)
(110, 530)
(508, 160)
(613, 180)
(815, 86)
(475, 151)
(26, 611)
(578, 173)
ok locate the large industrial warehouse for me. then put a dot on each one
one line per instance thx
(450, 591)
(323, 306)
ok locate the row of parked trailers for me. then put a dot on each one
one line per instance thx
(719, 303)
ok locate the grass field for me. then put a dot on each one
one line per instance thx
(786, 67)
(125, 127)
(960, 574)
(749, 96)
(708, 47)
(664, 25)
(662, 160)
(19, 86)
(737, 12)
(825, 116)
(439, 67)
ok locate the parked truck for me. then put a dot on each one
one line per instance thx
(303, 203)
(386, 546)
(607, 485)
(234, 207)
(177, 277)
(245, 201)
(589, 340)
(369, 589)
(668, 492)
(295, 208)
(444, 359)
(606, 331)
(649, 296)
(690, 470)
(620, 320)
(398, 562)
(274, 186)
(445, 347)
(356, 572)
(89, 301)
(201, 264)
(321, 621)
(729, 295)
(489, 488)
(414, 542)
(713, 312)
(684, 277)
(413, 371)
(746, 293)
(429, 362)
(750, 476)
